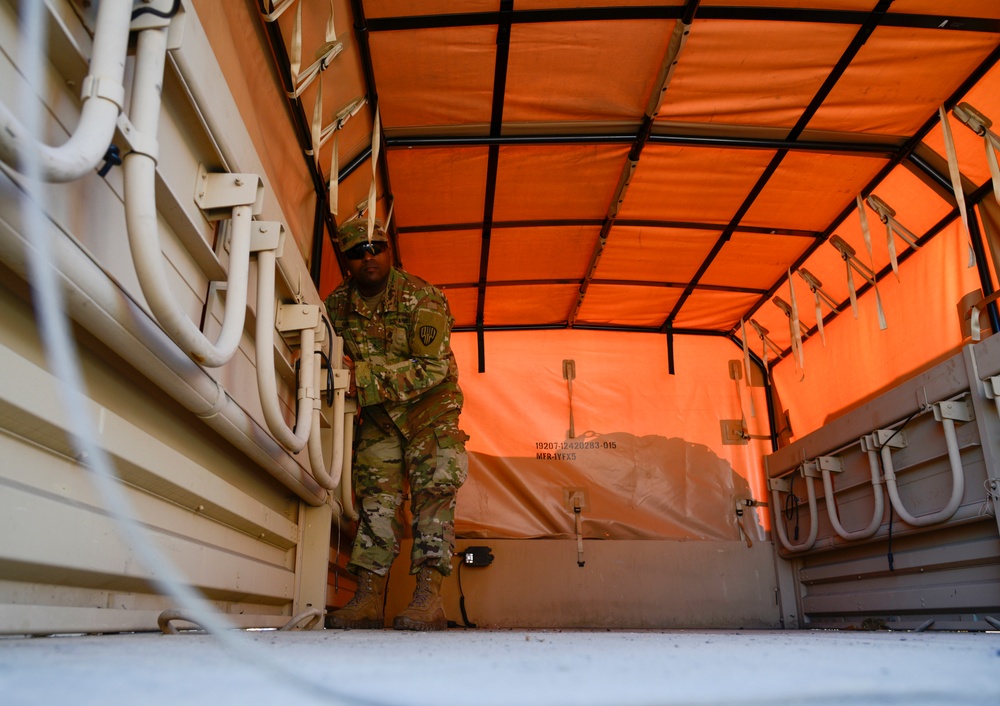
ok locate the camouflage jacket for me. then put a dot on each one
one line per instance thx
(402, 353)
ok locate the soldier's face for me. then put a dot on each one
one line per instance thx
(371, 271)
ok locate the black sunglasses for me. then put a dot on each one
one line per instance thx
(358, 251)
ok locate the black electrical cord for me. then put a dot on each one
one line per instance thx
(329, 334)
(329, 362)
(329, 378)
(461, 599)
(792, 508)
(112, 158)
(889, 556)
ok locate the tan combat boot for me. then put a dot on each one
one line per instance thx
(425, 611)
(366, 610)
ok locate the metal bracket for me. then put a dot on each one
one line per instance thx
(956, 410)
(972, 118)
(216, 194)
(831, 464)
(894, 438)
(576, 497)
(267, 235)
(850, 256)
(993, 490)
(360, 210)
(884, 210)
(787, 309)
(810, 469)
(137, 142)
(816, 287)
(732, 432)
(782, 485)
(297, 317)
(341, 379)
(744, 504)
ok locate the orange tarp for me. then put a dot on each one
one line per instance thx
(647, 444)
(859, 359)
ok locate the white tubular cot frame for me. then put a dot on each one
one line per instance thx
(831, 464)
(778, 484)
(947, 412)
(103, 95)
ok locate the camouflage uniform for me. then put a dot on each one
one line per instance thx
(407, 382)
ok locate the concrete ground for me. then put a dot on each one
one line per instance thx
(463, 667)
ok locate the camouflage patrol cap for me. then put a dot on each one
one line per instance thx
(356, 231)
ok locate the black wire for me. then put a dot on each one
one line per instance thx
(329, 367)
(792, 508)
(112, 158)
(157, 13)
(881, 469)
(329, 362)
(329, 334)
(329, 378)
(889, 554)
(901, 427)
(461, 599)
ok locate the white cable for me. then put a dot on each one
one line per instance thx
(64, 364)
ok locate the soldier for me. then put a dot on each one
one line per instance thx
(397, 340)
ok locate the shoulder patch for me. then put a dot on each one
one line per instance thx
(429, 331)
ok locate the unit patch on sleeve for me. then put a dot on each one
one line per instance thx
(428, 333)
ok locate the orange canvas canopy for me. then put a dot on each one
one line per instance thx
(652, 190)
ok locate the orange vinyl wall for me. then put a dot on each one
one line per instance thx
(859, 359)
(647, 449)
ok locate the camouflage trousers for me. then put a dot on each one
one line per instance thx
(435, 465)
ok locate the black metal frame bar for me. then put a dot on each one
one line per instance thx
(983, 68)
(862, 35)
(604, 282)
(493, 162)
(597, 223)
(591, 14)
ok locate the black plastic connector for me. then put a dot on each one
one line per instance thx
(477, 556)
